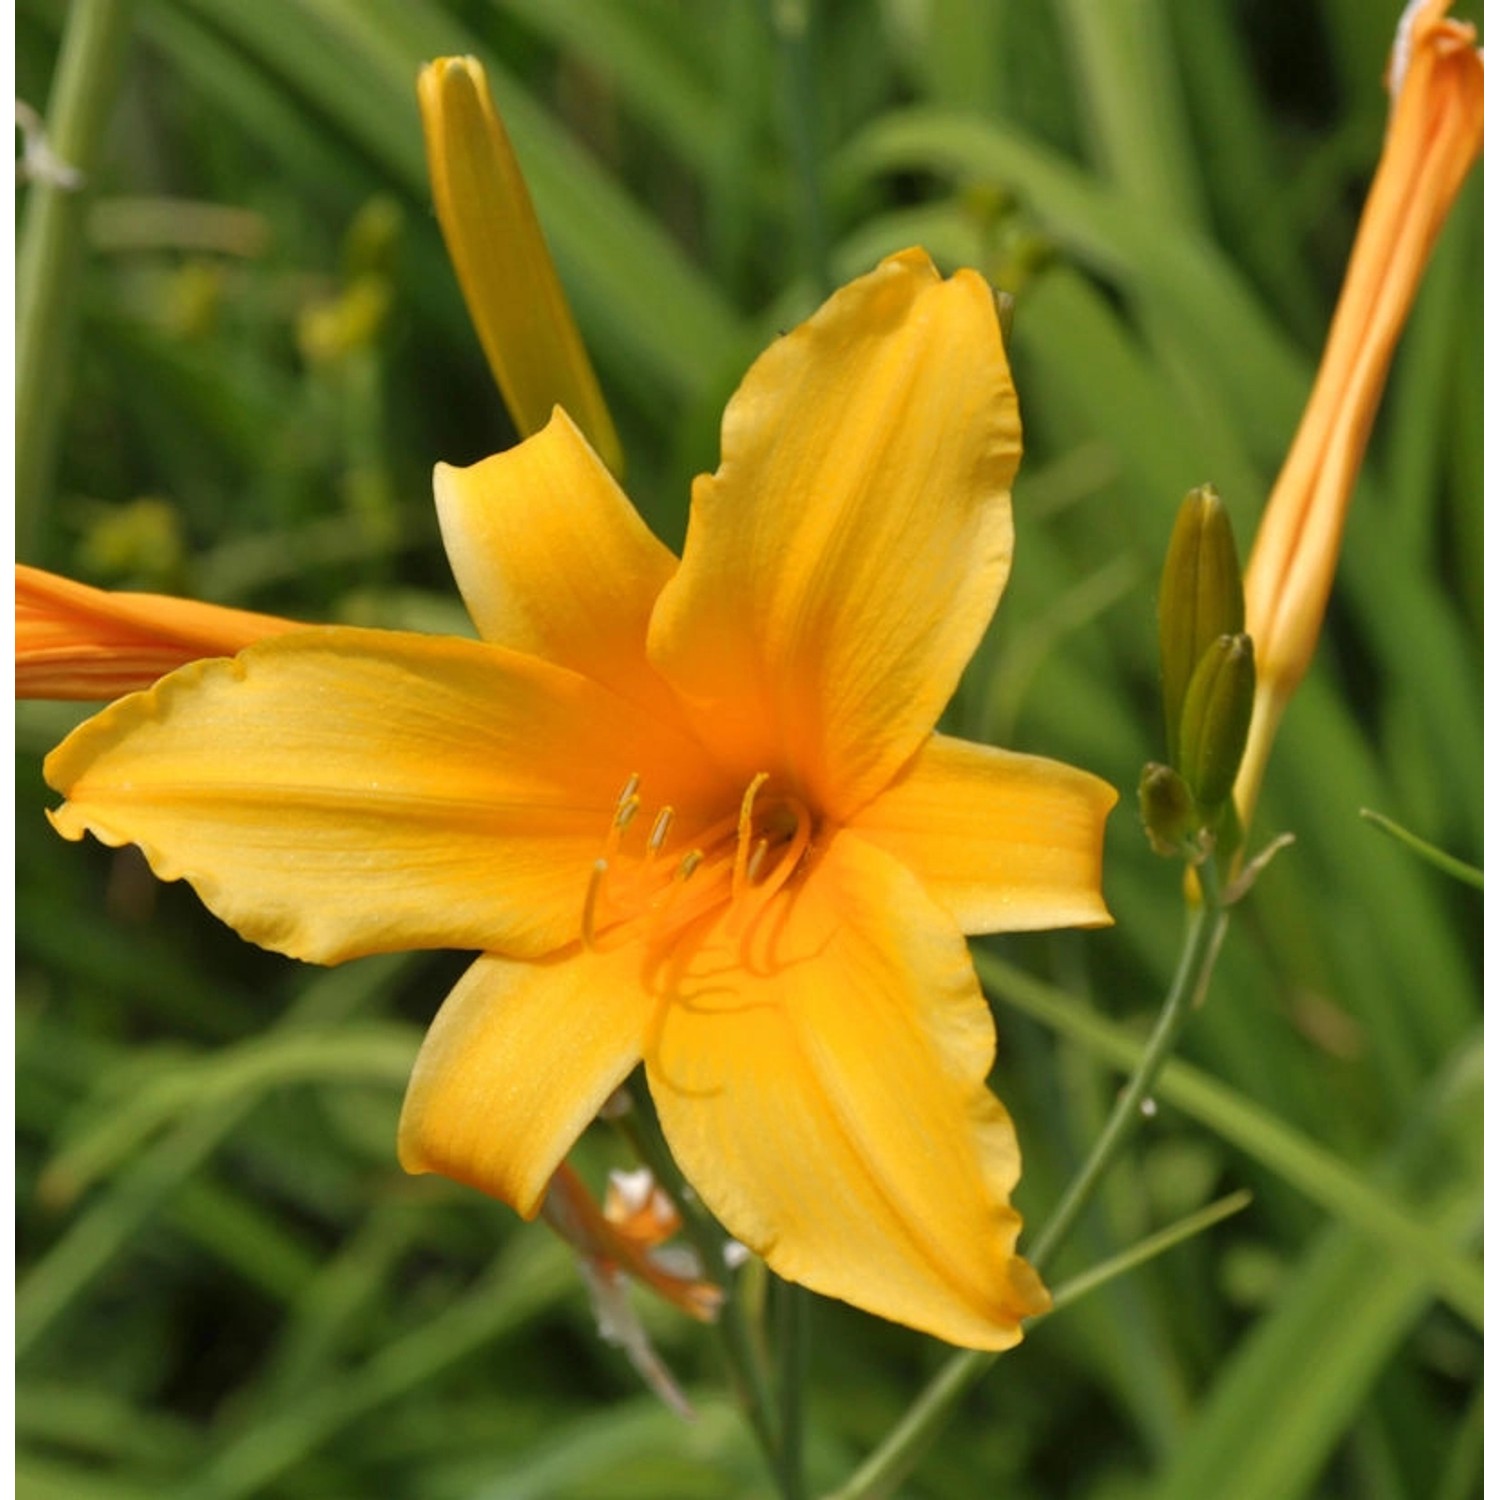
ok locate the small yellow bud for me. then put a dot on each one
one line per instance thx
(1200, 600)
(332, 330)
(373, 238)
(139, 544)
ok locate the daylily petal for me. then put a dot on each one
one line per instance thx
(1003, 842)
(821, 1081)
(340, 791)
(843, 562)
(552, 558)
(73, 641)
(518, 1061)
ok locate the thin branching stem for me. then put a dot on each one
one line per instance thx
(49, 253)
(752, 1388)
(791, 1365)
(794, 25)
(890, 1463)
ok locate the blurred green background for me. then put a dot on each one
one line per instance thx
(227, 1287)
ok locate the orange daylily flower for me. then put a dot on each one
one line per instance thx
(73, 641)
(693, 814)
(1435, 133)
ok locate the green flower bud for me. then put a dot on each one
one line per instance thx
(1201, 599)
(1166, 808)
(1216, 720)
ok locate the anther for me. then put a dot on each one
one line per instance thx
(627, 809)
(690, 862)
(659, 832)
(742, 838)
(631, 787)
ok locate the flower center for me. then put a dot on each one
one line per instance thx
(651, 880)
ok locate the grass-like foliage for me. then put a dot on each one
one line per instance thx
(227, 1287)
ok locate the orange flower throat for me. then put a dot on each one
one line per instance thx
(650, 886)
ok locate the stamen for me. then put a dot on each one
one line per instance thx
(591, 900)
(690, 862)
(742, 838)
(792, 826)
(659, 833)
(626, 810)
(632, 786)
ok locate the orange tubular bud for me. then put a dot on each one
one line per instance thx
(1435, 132)
(77, 642)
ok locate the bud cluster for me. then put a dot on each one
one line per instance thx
(1208, 684)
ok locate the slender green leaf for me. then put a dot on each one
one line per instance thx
(1335, 1186)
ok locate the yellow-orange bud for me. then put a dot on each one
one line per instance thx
(502, 262)
(1435, 132)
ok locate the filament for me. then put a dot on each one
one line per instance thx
(591, 900)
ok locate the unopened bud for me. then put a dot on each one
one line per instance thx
(1216, 719)
(502, 261)
(1201, 599)
(1166, 808)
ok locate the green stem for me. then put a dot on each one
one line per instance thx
(748, 1374)
(894, 1459)
(1205, 929)
(50, 252)
(793, 24)
(791, 1359)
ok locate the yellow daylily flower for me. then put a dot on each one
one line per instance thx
(693, 814)
(1435, 132)
(83, 643)
(495, 242)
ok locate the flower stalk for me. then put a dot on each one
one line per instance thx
(747, 1373)
(792, 1309)
(793, 24)
(49, 255)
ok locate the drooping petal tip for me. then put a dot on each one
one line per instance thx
(827, 1099)
(519, 1060)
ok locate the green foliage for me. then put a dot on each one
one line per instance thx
(227, 1286)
